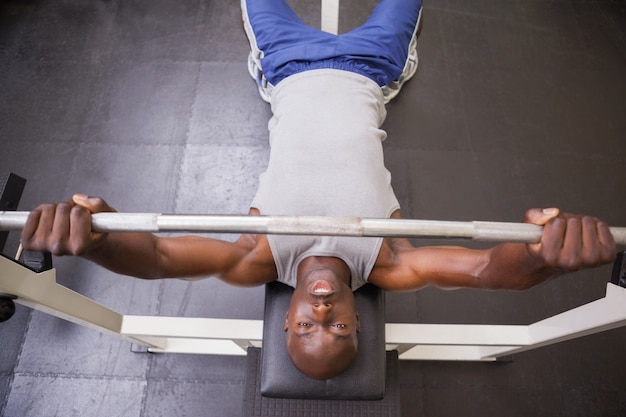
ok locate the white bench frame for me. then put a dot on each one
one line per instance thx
(460, 342)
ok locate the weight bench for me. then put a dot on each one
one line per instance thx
(368, 387)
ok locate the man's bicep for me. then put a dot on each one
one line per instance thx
(194, 257)
(441, 266)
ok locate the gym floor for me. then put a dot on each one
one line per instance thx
(148, 103)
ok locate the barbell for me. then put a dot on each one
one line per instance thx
(483, 231)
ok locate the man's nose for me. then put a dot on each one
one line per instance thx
(322, 309)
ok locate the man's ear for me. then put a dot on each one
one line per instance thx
(358, 322)
(286, 322)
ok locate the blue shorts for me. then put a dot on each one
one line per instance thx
(378, 49)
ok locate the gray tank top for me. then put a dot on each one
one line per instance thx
(326, 159)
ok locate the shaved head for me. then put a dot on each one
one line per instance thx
(322, 326)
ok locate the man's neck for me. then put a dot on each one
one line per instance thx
(336, 265)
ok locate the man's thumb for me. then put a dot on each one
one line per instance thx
(93, 204)
(540, 216)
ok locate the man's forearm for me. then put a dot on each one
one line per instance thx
(133, 254)
(511, 266)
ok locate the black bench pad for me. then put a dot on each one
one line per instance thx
(363, 380)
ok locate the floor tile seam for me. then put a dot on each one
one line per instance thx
(196, 381)
(18, 359)
(42, 59)
(132, 144)
(119, 57)
(5, 398)
(43, 140)
(190, 116)
(182, 145)
(162, 60)
(157, 307)
(231, 144)
(201, 62)
(144, 394)
(59, 375)
(176, 196)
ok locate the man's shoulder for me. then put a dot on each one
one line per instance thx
(256, 265)
(389, 262)
(389, 251)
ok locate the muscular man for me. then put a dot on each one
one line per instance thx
(327, 94)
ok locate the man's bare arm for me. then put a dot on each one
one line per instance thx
(569, 243)
(65, 229)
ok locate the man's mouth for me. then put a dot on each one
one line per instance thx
(321, 288)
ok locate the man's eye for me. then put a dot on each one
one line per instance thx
(339, 326)
(304, 324)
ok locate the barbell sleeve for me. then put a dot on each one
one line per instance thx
(307, 225)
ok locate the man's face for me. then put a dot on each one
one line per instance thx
(322, 325)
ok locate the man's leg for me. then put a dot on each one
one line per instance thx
(383, 48)
(278, 39)
(387, 42)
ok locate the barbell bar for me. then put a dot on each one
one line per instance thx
(307, 225)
